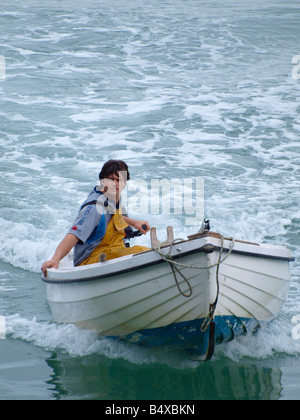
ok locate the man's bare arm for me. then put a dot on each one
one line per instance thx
(137, 224)
(62, 250)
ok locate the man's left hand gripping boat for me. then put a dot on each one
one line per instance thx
(186, 295)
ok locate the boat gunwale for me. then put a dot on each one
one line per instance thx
(127, 270)
(207, 247)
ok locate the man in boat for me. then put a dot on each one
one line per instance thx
(98, 230)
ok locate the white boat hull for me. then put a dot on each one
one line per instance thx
(136, 297)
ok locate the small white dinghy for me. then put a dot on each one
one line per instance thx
(185, 294)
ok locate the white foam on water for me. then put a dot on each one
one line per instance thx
(273, 341)
(77, 342)
(25, 253)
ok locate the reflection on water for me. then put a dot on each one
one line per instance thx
(97, 377)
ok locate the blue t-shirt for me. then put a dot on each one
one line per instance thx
(90, 226)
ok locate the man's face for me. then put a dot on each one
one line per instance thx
(113, 185)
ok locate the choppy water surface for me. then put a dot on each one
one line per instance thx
(177, 89)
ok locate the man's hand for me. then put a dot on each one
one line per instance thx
(140, 226)
(49, 264)
(137, 224)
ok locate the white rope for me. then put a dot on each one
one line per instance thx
(174, 265)
(168, 258)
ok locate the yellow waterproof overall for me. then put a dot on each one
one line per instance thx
(112, 244)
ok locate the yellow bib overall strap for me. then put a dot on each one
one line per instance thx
(112, 244)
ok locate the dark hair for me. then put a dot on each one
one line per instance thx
(113, 167)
